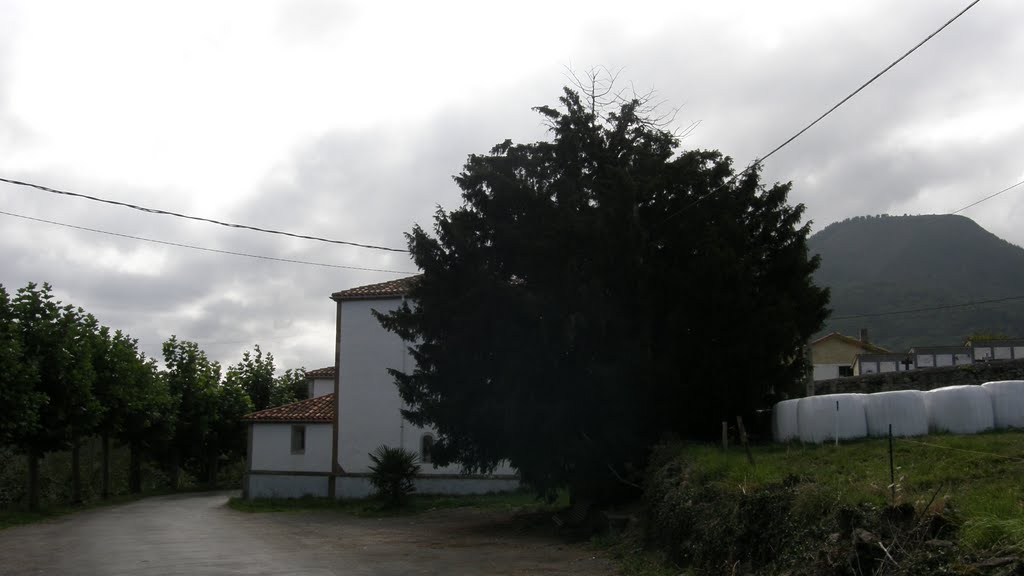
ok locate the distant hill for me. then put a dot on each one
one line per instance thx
(884, 263)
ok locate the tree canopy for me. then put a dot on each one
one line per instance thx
(598, 291)
(64, 379)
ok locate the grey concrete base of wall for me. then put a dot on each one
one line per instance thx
(360, 487)
(285, 486)
(923, 379)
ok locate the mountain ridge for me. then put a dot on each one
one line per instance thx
(881, 264)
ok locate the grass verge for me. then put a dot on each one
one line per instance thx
(950, 501)
(512, 502)
(18, 516)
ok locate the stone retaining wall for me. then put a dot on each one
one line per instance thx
(923, 379)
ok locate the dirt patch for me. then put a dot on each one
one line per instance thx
(200, 535)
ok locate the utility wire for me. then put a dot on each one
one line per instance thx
(973, 204)
(204, 249)
(929, 309)
(197, 218)
(759, 161)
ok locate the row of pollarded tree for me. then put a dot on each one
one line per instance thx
(65, 378)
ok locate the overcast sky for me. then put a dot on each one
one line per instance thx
(347, 120)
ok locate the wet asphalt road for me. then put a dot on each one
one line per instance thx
(197, 534)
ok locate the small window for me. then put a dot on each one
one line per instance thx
(426, 447)
(298, 439)
(845, 371)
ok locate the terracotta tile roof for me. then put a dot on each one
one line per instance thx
(319, 409)
(389, 289)
(321, 373)
(853, 342)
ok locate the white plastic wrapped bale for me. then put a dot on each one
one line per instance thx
(904, 409)
(959, 409)
(1007, 402)
(784, 421)
(817, 417)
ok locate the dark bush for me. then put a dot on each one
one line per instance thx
(392, 474)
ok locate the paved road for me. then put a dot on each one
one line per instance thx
(199, 535)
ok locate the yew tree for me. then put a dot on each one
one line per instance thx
(598, 291)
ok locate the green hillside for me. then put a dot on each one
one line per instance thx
(885, 263)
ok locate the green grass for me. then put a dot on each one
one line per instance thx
(977, 479)
(18, 516)
(511, 502)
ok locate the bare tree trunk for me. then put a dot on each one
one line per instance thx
(105, 490)
(134, 468)
(173, 471)
(33, 479)
(212, 479)
(76, 471)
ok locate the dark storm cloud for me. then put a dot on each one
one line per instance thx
(366, 186)
(371, 185)
(750, 100)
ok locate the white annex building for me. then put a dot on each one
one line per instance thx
(320, 446)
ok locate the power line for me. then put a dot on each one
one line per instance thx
(929, 308)
(973, 204)
(760, 160)
(204, 249)
(197, 218)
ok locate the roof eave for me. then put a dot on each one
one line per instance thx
(289, 421)
(338, 297)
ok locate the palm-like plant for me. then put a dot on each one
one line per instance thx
(392, 473)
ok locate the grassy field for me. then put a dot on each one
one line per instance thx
(810, 509)
(979, 479)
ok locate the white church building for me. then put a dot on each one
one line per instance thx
(321, 446)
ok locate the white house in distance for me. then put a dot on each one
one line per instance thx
(939, 356)
(833, 355)
(321, 446)
(1012, 349)
(881, 363)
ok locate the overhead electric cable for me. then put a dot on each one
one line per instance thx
(204, 249)
(929, 308)
(989, 197)
(197, 218)
(760, 160)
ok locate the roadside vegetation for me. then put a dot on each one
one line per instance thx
(519, 502)
(85, 415)
(956, 506)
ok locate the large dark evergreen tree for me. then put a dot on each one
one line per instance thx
(597, 292)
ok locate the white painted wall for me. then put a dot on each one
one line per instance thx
(826, 371)
(273, 486)
(1018, 352)
(321, 386)
(1003, 352)
(368, 404)
(272, 448)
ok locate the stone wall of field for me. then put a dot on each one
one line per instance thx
(923, 379)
